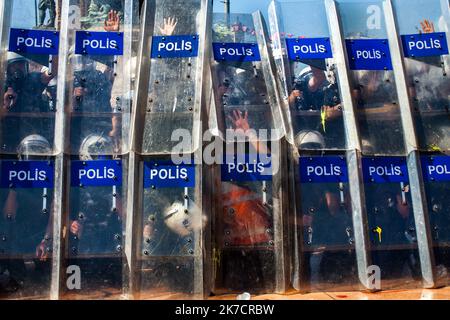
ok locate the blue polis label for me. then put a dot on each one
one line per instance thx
(165, 174)
(309, 48)
(33, 41)
(175, 46)
(96, 173)
(248, 167)
(241, 52)
(425, 44)
(369, 54)
(436, 168)
(330, 169)
(385, 170)
(27, 174)
(99, 43)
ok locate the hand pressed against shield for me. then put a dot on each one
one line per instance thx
(169, 26)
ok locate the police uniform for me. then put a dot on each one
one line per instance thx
(30, 102)
(327, 94)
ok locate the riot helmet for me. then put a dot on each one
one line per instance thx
(309, 139)
(33, 146)
(18, 67)
(94, 146)
(182, 219)
(367, 147)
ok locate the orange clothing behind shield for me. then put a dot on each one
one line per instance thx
(246, 218)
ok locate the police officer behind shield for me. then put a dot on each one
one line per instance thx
(316, 93)
(95, 221)
(24, 88)
(93, 82)
(95, 224)
(28, 224)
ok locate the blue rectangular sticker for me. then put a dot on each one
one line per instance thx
(385, 170)
(27, 174)
(174, 46)
(436, 168)
(309, 48)
(332, 169)
(164, 174)
(99, 43)
(369, 54)
(24, 41)
(96, 173)
(425, 44)
(241, 52)
(248, 167)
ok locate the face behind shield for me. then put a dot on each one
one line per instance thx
(33, 147)
(17, 70)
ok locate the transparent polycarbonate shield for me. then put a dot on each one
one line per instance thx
(96, 223)
(174, 88)
(26, 189)
(245, 227)
(29, 64)
(98, 72)
(392, 229)
(436, 173)
(372, 79)
(243, 84)
(324, 225)
(424, 30)
(170, 229)
(307, 74)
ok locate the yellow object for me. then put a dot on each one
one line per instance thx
(379, 231)
(323, 117)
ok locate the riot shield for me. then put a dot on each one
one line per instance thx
(168, 210)
(424, 36)
(96, 223)
(248, 230)
(307, 75)
(248, 253)
(170, 230)
(28, 78)
(98, 72)
(392, 230)
(29, 61)
(98, 104)
(324, 225)
(242, 77)
(436, 173)
(371, 76)
(171, 81)
(25, 225)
